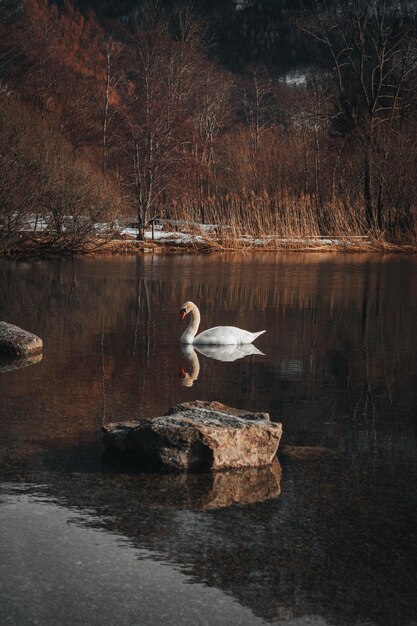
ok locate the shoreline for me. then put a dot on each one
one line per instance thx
(34, 249)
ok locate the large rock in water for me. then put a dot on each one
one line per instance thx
(198, 436)
(16, 342)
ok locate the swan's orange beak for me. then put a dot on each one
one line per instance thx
(182, 373)
(183, 313)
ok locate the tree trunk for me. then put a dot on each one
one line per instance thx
(369, 207)
(141, 227)
(379, 207)
(106, 114)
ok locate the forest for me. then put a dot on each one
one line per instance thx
(271, 121)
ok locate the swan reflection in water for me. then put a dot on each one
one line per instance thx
(220, 353)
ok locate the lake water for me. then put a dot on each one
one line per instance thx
(326, 541)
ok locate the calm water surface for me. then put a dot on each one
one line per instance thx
(326, 541)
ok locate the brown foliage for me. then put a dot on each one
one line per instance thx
(41, 182)
(142, 110)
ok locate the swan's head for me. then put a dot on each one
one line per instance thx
(185, 309)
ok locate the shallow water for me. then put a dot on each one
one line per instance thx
(328, 541)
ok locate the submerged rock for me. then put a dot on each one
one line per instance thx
(198, 436)
(307, 453)
(16, 342)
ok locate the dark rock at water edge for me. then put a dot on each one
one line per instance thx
(198, 436)
(16, 342)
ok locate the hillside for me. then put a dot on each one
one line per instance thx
(167, 111)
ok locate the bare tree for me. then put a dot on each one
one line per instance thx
(372, 53)
(255, 103)
(112, 76)
(161, 105)
(211, 113)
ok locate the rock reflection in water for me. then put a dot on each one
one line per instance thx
(11, 364)
(212, 490)
(284, 556)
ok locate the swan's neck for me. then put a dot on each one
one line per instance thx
(195, 365)
(189, 334)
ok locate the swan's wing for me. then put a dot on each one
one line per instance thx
(225, 335)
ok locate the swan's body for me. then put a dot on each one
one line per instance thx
(217, 336)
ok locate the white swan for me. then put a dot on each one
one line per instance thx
(217, 336)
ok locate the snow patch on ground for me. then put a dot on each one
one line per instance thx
(37, 224)
(166, 236)
(179, 237)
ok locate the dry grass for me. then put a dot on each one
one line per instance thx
(133, 247)
(235, 245)
(290, 223)
(256, 226)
